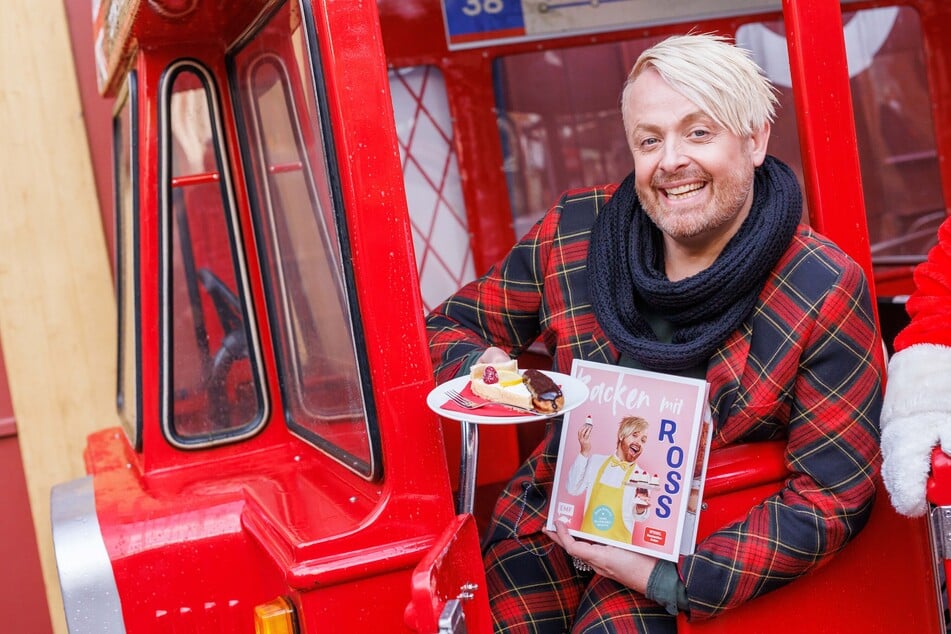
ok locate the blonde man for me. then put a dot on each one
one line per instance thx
(695, 264)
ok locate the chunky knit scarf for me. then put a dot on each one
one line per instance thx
(704, 309)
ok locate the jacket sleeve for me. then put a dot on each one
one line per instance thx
(501, 308)
(832, 455)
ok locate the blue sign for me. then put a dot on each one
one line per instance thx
(474, 20)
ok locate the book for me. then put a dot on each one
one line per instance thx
(641, 492)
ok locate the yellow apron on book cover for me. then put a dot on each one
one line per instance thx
(604, 515)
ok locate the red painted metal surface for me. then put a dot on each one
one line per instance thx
(267, 506)
(865, 588)
(826, 128)
(939, 485)
(446, 574)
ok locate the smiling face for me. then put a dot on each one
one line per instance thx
(694, 177)
(630, 446)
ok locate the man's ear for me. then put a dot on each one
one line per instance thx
(758, 142)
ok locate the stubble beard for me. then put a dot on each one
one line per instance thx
(688, 222)
(630, 455)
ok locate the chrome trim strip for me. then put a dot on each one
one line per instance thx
(90, 596)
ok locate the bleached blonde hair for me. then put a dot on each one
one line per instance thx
(631, 425)
(718, 77)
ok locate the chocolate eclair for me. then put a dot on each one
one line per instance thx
(546, 395)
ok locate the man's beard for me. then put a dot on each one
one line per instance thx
(729, 198)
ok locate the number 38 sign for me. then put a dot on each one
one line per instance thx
(473, 22)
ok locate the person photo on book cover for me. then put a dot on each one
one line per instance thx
(614, 499)
(696, 264)
(916, 416)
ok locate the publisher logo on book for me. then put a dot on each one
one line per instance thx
(655, 536)
(565, 511)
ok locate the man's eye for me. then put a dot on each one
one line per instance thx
(649, 142)
(699, 134)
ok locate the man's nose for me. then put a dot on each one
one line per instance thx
(673, 156)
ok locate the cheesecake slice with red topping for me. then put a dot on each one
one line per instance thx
(500, 383)
(503, 383)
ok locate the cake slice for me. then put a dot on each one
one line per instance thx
(500, 383)
(503, 383)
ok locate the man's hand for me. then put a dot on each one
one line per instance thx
(584, 440)
(624, 566)
(494, 355)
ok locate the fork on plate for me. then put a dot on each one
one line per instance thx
(462, 401)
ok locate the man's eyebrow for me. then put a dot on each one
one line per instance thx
(699, 115)
(689, 119)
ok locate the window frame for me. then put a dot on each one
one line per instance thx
(235, 242)
(371, 469)
(127, 102)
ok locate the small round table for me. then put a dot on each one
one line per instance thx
(574, 391)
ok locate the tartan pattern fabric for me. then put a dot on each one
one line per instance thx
(806, 366)
(568, 600)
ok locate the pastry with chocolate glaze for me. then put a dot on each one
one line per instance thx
(546, 395)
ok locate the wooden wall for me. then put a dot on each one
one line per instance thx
(57, 322)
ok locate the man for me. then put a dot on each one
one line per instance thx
(916, 416)
(696, 265)
(611, 505)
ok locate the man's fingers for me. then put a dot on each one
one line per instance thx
(493, 354)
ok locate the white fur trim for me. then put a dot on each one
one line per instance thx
(906, 462)
(919, 381)
(916, 417)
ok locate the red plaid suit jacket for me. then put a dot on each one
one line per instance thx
(806, 366)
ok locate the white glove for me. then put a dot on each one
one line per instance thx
(916, 417)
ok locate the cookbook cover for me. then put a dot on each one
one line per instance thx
(632, 460)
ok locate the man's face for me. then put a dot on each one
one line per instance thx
(694, 178)
(630, 447)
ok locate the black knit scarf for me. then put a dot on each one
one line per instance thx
(704, 309)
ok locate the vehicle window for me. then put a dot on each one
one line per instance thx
(437, 210)
(894, 130)
(302, 234)
(560, 124)
(126, 264)
(214, 392)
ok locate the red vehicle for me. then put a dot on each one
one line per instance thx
(297, 181)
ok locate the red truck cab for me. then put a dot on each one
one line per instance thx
(276, 466)
(275, 443)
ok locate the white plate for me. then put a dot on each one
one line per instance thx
(574, 391)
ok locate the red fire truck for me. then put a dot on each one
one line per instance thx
(296, 182)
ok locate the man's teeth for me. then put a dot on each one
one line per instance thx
(683, 191)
